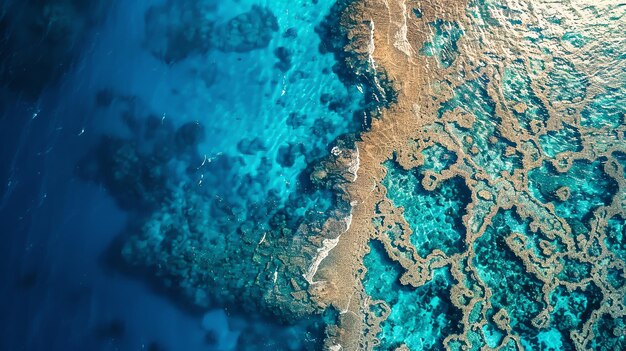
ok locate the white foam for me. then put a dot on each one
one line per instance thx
(322, 252)
(371, 47)
(402, 43)
(353, 167)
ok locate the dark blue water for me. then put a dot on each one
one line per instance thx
(75, 73)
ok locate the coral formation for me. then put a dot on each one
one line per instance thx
(238, 221)
(481, 207)
(497, 176)
(248, 31)
(198, 243)
(178, 29)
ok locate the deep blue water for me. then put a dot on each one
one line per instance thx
(74, 73)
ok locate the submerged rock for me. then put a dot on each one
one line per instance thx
(249, 31)
(218, 331)
(188, 136)
(284, 58)
(179, 28)
(136, 180)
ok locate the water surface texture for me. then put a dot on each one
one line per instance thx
(313, 175)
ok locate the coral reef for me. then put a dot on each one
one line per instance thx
(353, 65)
(240, 225)
(198, 243)
(481, 207)
(249, 31)
(491, 193)
(178, 29)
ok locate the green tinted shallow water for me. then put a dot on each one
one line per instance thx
(435, 217)
(420, 317)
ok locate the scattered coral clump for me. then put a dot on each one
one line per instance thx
(178, 29)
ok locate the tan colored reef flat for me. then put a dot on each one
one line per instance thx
(388, 37)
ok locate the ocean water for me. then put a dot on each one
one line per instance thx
(184, 175)
(199, 117)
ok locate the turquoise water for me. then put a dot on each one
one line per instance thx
(516, 212)
(444, 42)
(160, 188)
(582, 199)
(472, 97)
(420, 318)
(435, 217)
